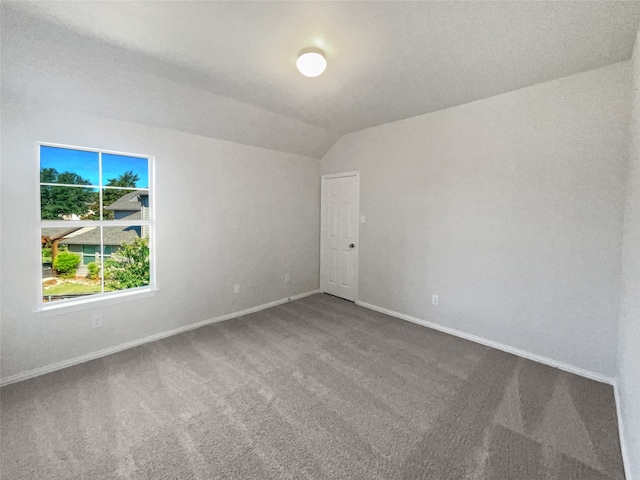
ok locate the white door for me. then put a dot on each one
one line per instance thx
(339, 230)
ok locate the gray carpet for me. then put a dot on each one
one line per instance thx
(318, 388)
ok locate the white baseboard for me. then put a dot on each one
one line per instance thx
(626, 455)
(152, 338)
(490, 343)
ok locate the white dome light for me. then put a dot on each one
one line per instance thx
(311, 62)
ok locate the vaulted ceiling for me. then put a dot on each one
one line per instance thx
(386, 60)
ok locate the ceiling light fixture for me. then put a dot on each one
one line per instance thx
(311, 62)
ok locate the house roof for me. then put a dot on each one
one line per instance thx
(128, 202)
(112, 236)
(91, 235)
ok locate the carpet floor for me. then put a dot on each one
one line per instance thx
(318, 388)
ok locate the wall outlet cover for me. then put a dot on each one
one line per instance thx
(96, 320)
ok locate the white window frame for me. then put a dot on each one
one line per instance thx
(90, 301)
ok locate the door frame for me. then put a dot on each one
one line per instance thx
(322, 227)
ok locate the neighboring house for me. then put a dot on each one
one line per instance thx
(132, 206)
(85, 241)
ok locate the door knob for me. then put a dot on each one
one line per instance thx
(352, 245)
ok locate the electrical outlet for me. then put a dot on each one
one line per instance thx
(236, 289)
(96, 320)
(434, 299)
(287, 278)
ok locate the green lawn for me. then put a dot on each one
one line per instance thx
(68, 287)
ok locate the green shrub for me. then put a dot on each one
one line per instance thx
(94, 270)
(66, 264)
(46, 255)
(128, 267)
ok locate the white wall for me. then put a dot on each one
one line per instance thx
(509, 208)
(226, 214)
(629, 339)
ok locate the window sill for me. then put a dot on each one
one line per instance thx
(64, 307)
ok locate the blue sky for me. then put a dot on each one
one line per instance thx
(86, 164)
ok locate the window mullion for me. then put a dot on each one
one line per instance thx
(102, 257)
(102, 249)
(101, 185)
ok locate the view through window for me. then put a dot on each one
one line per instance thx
(96, 222)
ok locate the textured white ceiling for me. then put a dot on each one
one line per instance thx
(386, 60)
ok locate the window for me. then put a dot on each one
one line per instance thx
(96, 223)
